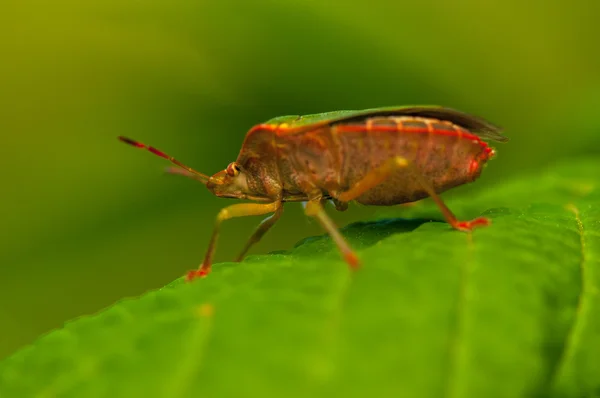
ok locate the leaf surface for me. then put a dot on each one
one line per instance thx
(510, 310)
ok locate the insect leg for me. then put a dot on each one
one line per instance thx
(377, 176)
(262, 229)
(373, 178)
(237, 210)
(314, 208)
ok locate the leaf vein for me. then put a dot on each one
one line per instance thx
(574, 334)
(190, 366)
(333, 328)
(457, 351)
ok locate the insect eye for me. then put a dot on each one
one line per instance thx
(233, 170)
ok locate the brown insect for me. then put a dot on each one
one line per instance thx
(380, 157)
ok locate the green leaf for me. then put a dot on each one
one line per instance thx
(511, 310)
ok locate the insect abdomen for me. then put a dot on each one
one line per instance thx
(445, 154)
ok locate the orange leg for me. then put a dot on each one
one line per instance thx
(237, 210)
(377, 176)
(314, 208)
(260, 232)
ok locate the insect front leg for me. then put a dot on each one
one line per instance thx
(380, 174)
(314, 208)
(262, 229)
(237, 210)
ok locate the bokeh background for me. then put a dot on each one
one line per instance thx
(86, 221)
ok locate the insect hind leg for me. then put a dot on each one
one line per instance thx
(380, 174)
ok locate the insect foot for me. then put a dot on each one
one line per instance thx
(199, 273)
(352, 259)
(467, 226)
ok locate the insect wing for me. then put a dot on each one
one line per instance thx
(476, 125)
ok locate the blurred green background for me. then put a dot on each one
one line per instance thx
(87, 220)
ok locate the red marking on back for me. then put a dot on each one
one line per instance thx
(285, 129)
(268, 127)
(387, 129)
(357, 128)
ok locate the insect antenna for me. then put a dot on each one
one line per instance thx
(182, 172)
(200, 177)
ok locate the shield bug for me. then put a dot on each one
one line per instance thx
(380, 157)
